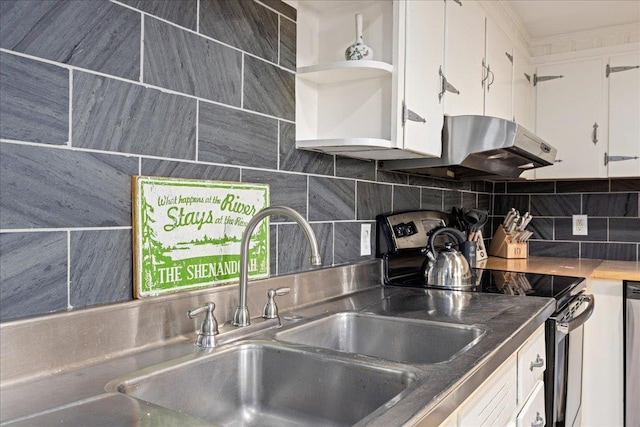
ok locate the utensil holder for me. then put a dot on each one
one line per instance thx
(502, 246)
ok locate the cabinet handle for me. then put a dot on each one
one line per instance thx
(608, 158)
(538, 363)
(594, 135)
(539, 422)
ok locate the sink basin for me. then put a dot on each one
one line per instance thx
(391, 338)
(267, 384)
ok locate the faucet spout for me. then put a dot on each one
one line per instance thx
(241, 315)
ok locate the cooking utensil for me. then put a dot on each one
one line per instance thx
(447, 268)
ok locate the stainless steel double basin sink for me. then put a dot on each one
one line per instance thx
(338, 370)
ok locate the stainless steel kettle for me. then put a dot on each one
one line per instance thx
(447, 268)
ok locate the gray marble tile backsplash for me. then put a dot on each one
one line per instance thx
(95, 91)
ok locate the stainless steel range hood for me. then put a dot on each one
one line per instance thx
(481, 147)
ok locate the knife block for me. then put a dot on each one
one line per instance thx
(502, 246)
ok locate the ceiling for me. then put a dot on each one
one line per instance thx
(546, 18)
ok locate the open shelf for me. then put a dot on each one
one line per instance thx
(344, 71)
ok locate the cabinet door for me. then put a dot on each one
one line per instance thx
(493, 404)
(464, 53)
(499, 83)
(624, 110)
(424, 51)
(602, 369)
(567, 109)
(532, 413)
(522, 91)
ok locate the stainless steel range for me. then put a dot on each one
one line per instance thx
(402, 239)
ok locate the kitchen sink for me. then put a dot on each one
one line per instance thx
(392, 338)
(269, 384)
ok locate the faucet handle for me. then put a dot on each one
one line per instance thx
(270, 310)
(209, 328)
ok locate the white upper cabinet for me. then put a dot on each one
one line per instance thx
(570, 115)
(424, 55)
(522, 91)
(464, 56)
(498, 98)
(624, 116)
(358, 108)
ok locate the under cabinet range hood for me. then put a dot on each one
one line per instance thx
(480, 147)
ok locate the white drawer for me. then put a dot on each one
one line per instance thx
(532, 413)
(531, 364)
(494, 403)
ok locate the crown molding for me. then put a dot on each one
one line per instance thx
(600, 52)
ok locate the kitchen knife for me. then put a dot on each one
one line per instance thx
(509, 218)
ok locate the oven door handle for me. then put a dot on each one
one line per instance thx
(570, 325)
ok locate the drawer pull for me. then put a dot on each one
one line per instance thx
(539, 363)
(539, 422)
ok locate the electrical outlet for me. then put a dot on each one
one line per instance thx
(580, 225)
(365, 239)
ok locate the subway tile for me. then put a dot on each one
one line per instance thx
(292, 159)
(422, 181)
(281, 7)
(554, 249)
(484, 202)
(246, 25)
(354, 168)
(237, 137)
(347, 242)
(406, 198)
(181, 12)
(287, 44)
(555, 205)
(35, 100)
(624, 229)
(185, 62)
(101, 267)
(372, 199)
(615, 204)
(451, 199)
(451, 185)
(269, 89)
(33, 273)
(113, 115)
(431, 199)
(189, 170)
(503, 203)
(93, 34)
(542, 228)
(529, 187)
(392, 177)
(285, 189)
(331, 199)
(469, 200)
(499, 187)
(609, 251)
(583, 186)
(597, 228)
(294, 251)
(625, 185)
(51, 187)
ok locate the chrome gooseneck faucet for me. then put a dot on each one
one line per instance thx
(241, 316)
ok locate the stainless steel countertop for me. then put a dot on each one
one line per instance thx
(78, 397)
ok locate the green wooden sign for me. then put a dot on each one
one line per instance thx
(187, 233)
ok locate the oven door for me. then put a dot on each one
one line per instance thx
(563, 377)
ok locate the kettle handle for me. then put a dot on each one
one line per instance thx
(452, 232)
